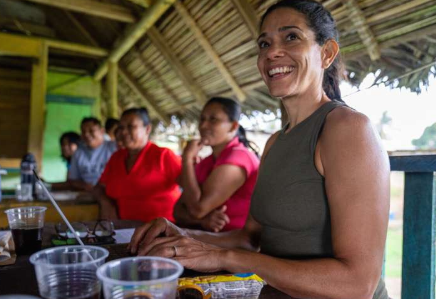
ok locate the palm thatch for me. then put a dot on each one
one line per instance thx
(197, 49)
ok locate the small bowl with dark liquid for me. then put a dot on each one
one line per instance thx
(26, 225)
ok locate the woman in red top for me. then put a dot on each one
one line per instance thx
(139, 181)
(217, 191)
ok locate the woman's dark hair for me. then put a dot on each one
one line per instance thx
(71, 136)
(323, 25)
(110, 123)
(233, 111)
(142, 113)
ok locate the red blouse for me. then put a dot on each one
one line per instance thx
(149, 190)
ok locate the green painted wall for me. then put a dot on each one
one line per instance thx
(70, 97)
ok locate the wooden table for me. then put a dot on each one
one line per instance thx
(20, 277)
(81, 207)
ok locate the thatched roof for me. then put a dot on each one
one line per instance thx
(195, 49)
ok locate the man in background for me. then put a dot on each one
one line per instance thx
(89, 160)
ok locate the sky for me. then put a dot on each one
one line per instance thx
(411, 113)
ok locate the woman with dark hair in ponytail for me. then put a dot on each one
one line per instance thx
(217, 191)
(319, 211)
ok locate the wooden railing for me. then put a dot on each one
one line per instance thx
(418, 269)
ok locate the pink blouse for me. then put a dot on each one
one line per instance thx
(238, 205)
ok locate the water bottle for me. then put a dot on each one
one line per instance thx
(28, 164)
(2, 172)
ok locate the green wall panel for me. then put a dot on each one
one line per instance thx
(70, 97)
(61, 117)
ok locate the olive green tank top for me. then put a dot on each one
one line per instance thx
(290, 200)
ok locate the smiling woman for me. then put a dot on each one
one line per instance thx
(319, 211)
(139, 181)
(217, 191)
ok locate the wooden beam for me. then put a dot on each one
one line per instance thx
(144, 95)
(112, 89)
(94, 8)
(81, 29)
(27, 28)
(143, 3)
(37, 104)
(357, 17)
(249, 16)
(134, 33)
(154, 73)
(176, 65)
(77, 48)
(19, 45)
(10, 162)
(207, 47)
(396, 10)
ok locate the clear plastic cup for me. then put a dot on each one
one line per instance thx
(26, 224)
(140, 278)
(69, 271)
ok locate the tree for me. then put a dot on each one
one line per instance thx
(427, 139)
(384, 122)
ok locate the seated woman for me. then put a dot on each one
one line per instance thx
(217, 191)
(69, 142)
(139, 181)
(320, 209)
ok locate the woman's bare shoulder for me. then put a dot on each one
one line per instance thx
(345, 120)
(347, 130)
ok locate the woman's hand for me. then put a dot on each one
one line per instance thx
(191, 150)
(191, 253)
(215, 220)
(108, 210)
(150, 231)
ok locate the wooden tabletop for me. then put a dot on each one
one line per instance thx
(76, 206)
(20, 277)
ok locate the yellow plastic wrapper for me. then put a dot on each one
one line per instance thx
(244, 285)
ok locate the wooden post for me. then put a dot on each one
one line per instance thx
(112, 89)
(418, 269)
(418, 276)
(37, 104)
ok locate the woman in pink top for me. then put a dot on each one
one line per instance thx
(217, 191)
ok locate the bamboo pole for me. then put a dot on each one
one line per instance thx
(112, 89)
(144, 95)
(176, 65)
(202, 40)
(37, 104)
(143, 3)
(134, 33)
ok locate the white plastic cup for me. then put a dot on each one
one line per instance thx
(69, 271)
(140, 277)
